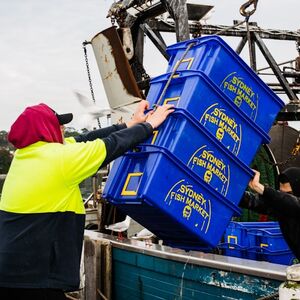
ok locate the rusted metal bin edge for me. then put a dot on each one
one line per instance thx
(220, 262)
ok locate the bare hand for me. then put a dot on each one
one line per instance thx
(255, 185)
(139, 115)
(157, 117)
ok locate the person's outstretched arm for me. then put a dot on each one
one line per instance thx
(121, 141)
(99, 133)
(275, 202)
(138, 117)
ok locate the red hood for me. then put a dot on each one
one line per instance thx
(36, 123)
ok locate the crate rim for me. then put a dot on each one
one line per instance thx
(187, 115)
(158, 149)
(217, 38)
(257, 128)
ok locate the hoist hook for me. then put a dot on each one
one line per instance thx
(248, 13)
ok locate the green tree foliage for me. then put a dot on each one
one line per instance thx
(5, 153)
(5, 160)
(3, 139)
(70, 131)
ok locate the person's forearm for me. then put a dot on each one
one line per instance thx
(256, 203)
(99, 133)
(121, 141)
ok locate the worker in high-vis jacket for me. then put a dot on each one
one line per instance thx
(42, 214)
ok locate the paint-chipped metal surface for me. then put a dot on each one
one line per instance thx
(141, 276)
(151, 271)
(220, 262)
(117, 77)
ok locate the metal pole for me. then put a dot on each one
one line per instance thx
(269, 58)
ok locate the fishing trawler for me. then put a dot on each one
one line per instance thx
(146, 268)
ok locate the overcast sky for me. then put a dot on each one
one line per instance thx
(41, 56)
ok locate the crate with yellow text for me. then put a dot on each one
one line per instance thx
(198, 95)
(213, 56)
(190, 142)
(270, 245)
(160, 193)
(237, 240)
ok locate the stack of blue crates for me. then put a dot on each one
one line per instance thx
(257, 241)
(185, 183)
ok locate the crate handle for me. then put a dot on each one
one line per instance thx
(173, 72)
(179, 62)
(125, 191)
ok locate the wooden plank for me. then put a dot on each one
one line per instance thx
(97, 265)
(92, 267)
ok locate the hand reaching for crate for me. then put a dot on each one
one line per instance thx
(254, 183)
(153, 117)
(157, 116)
(139, 115)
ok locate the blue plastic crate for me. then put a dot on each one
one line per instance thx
(240, 240)
(190, 142)
(234, 77)
(268, 238)
(164, 226)
(155, 180)
(278, 257)
(196, 93)
(270, 245)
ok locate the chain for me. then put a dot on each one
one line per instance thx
(89, 75)
(296, 148)
(244, 13)
(112, 20)
(295, 151)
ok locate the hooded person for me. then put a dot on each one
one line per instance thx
(283, 204)
(42, 215)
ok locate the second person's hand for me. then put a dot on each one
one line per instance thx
(255, 185)
(157, 117)
(139, 115)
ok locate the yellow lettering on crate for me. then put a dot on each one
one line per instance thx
(195, 207)
(222, 125)
(212, 168)
(130, 176)
(241, 93)
(227, 129)
(224, 118)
